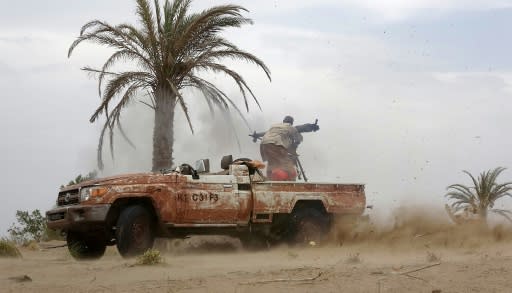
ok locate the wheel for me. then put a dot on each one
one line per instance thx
(308, 226)
(134, 231)
(85, 247)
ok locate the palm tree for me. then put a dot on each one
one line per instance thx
(480, 198)
(170, 50)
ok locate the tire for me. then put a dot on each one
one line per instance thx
(85, 247)
(134, 231)
(308, 227)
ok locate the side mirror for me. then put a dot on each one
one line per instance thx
(203, 166)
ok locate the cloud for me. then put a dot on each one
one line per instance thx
(386, 10)
(397, 10)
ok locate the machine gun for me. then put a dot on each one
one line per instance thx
(308, 127)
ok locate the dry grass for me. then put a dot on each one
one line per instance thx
(31, 245)
(8, 249)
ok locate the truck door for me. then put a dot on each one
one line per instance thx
(207, 200)
(213, 199)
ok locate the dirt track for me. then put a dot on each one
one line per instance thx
(419, 257)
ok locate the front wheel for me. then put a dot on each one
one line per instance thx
(85, 247)
(308, 226)
(134, 231)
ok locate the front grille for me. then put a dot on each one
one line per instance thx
(56, 216)
(68, 197)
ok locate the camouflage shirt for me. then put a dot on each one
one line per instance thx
(283, 134)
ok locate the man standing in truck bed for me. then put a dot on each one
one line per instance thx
(279, 148)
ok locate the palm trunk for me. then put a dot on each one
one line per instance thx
(483, 215)
(163, 131)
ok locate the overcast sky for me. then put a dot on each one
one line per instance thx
(407, 93)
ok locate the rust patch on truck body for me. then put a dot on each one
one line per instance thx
(281, 197)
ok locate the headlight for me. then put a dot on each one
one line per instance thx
(91, 192)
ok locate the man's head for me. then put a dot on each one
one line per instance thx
(288, 119)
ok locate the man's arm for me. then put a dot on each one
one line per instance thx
(308, 127)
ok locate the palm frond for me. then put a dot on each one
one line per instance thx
(462, 189)
(148, 23)
(119, 55)
(210, 22)
(238, 55)
(117, 84)
(237, 78)
(122, 33)
(475, 182)
(460, 196)
(504, 213)
(482, 195)
(182, 103)
(213, 94)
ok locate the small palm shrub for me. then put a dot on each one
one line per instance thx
(150, 257)
(479, 199)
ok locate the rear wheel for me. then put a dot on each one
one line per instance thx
(85, 246)
(308, 226)
(134, 231)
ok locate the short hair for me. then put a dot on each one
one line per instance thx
(288, 119)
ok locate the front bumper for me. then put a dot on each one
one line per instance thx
(77, 217)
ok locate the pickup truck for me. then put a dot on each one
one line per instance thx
(129, 211)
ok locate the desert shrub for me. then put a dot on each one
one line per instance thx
(29, 227)
(8, 249)
(31, 245)
(50, 234)
(78, 179)
(150, 257)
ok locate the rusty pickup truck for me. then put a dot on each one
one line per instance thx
(129, 211)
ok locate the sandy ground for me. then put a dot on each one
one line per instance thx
(418, 257)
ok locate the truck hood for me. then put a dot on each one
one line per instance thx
(133, 178)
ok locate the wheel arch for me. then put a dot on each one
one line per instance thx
(121, 203)
(316, 204)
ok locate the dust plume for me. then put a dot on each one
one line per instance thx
(420, 228)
